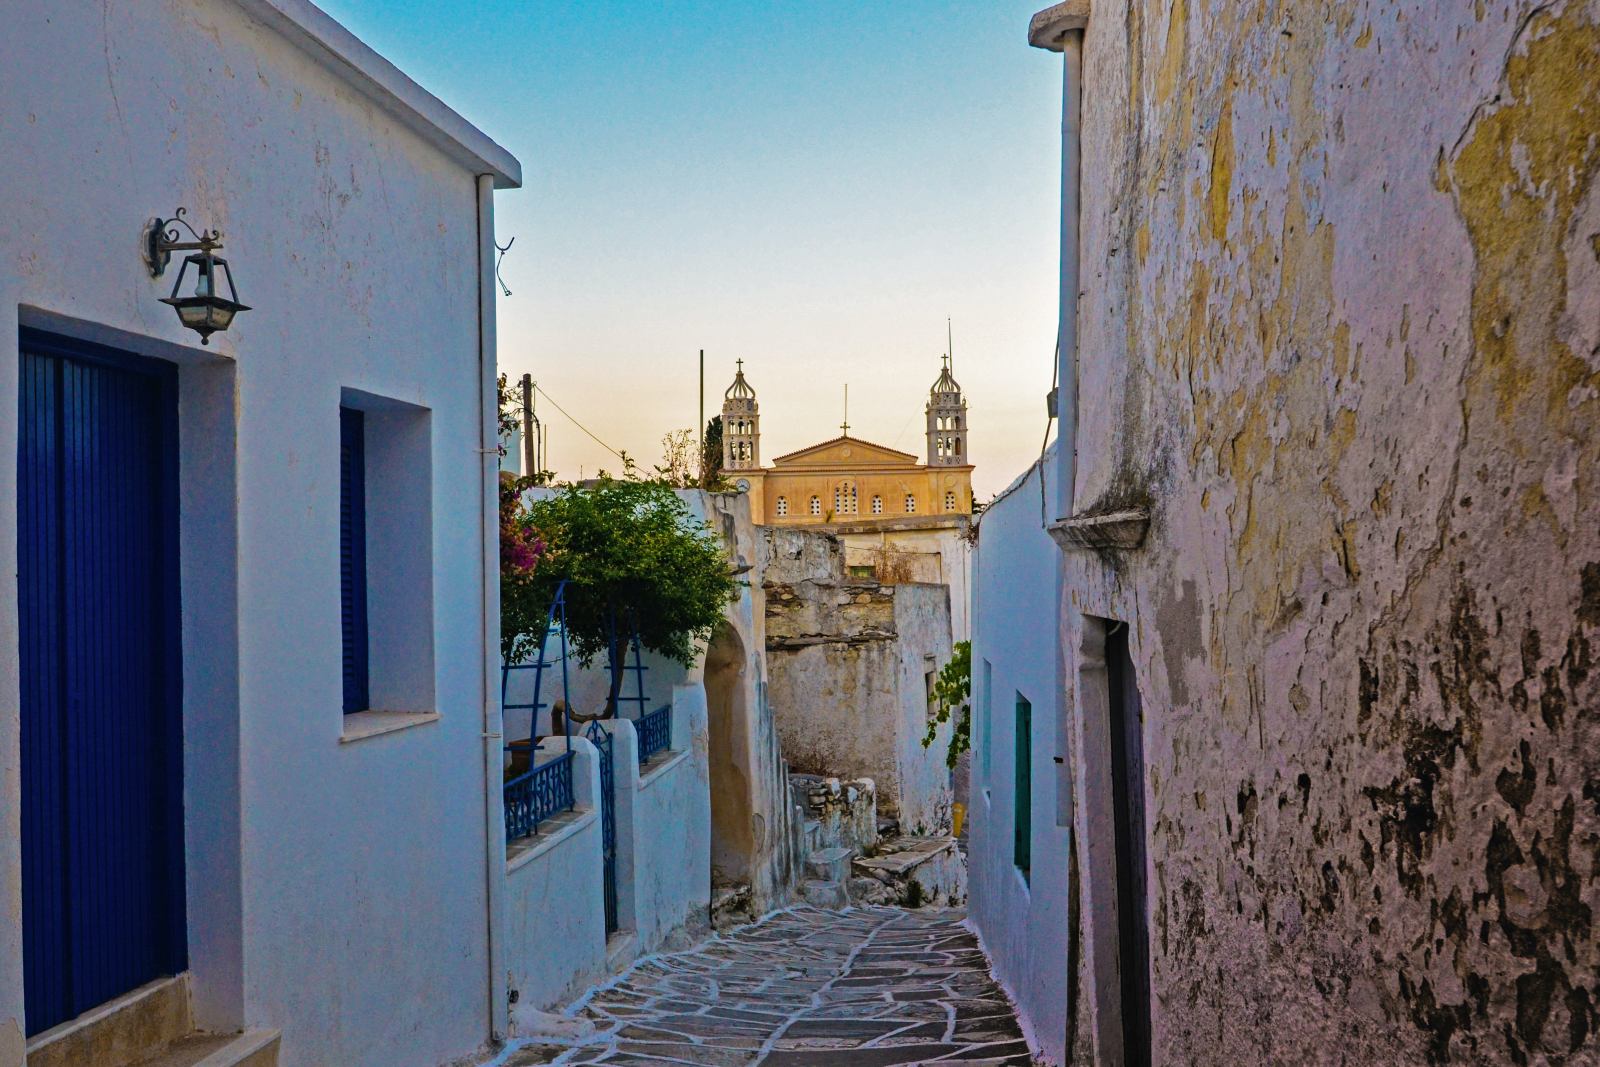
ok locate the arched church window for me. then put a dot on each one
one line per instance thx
(949, 500)
(911, 504)
(877, 505)
(816, 505)
(783, 506)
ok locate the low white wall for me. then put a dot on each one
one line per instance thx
(922, 621)
(555, 933)
(1023, 922)
(671, 827)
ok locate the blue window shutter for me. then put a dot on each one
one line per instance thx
(353, 556)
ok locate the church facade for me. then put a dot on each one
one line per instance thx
(899, 518)
(848, 481)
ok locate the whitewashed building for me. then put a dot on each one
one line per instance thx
(249, 780)
(1018, 808)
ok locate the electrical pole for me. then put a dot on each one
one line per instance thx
(702, 404)
(530, 430)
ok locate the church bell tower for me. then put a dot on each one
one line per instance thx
(947, 422)
(741, 426)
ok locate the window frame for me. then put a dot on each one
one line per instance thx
(1022, 789)
(355, 633)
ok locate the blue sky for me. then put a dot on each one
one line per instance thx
(811, 186)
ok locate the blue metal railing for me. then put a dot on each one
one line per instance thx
(636, 668)
(555, 623)
(604, 746)
(655, 733)
(535, 796)
(546, 788)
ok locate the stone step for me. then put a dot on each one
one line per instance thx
(730, 905)
(621, 949)
(821, 894)
(253, 1048)
(918, 870)
(829, 864)
(127, 1029)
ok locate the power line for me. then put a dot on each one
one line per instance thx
(579, 425)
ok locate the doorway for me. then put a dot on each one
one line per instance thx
(101, 684)
(728, 715)
(1126, 735)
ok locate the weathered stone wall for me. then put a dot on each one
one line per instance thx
(1341, 332)
(847, 660)
(756, 831)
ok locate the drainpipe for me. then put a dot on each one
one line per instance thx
(1060, 29)
(494, 846)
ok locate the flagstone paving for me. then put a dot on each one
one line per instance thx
(868, 987)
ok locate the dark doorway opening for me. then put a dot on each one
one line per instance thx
(1126, 735)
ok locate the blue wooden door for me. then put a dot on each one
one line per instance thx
(102, 816)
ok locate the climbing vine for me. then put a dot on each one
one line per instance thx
(952, 695)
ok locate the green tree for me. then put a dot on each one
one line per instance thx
(711, 457)
(635, 559)
(952, 693)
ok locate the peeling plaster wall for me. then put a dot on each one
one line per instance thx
(848, 660)
(1341, 332)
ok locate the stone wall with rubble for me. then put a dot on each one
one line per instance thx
(1340, 332)
(848, 661)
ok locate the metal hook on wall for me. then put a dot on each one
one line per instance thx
(504, 290)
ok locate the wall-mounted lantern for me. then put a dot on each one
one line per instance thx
(202, 309)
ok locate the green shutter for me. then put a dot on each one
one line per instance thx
(1022, 827)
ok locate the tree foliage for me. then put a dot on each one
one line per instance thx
(677, 467)
(711, 456)
(522, 611)
(635, 558)
(952, 695)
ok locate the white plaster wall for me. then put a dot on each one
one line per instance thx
(1023, 923)
(555, 920)
(671, 824)
(362, 902)
(922, 622)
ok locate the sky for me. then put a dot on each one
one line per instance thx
(814, 187)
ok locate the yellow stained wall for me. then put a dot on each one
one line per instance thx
(928, 485)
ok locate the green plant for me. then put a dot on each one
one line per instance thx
(635, 559)
(522, 611)
(952, 694)
(711, 457)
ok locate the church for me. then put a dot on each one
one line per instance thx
(900, 520)
(847, 480)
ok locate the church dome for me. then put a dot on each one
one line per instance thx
(740, 389)
(946, 385)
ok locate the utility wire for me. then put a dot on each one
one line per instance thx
(579, 425)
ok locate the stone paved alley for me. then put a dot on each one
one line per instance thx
(803, 988)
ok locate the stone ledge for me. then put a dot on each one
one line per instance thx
(656, 766)
(554, 831)
(1049, 27)
(1115, 529)
(360, 725)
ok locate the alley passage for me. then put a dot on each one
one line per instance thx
(807, 988)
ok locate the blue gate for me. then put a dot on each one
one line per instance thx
(608, 821)
(101, 745)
